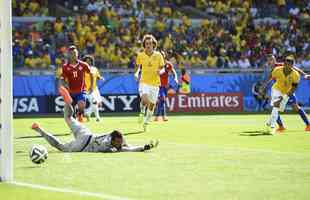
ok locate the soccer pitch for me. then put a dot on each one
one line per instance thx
(199, 157)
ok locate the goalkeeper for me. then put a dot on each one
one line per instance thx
(85, 141)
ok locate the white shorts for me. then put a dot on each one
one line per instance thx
(150, 91)
(276, 95)
(96, 96)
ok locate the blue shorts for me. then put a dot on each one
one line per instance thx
(78, 97)
(163, 92)
(292, 99)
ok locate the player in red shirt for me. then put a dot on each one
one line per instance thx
(161, 107)
(72, 81)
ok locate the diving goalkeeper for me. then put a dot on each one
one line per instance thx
(86, 141)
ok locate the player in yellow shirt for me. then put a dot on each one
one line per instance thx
(94, 96)
(292, 101)
(150, 65)
(286, 81)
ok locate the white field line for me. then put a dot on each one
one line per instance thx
(64, 190)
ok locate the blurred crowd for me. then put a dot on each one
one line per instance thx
(231, 35)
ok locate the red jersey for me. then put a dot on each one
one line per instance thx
(278, 64)
(164, 77)
(74, 74)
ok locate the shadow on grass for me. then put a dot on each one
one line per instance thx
(32, 166)
(255, 133)
(22, 153)
(133, 133)
(39, 136)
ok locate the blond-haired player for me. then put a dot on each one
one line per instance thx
(150, 65)
(94, 97)
(286, 81)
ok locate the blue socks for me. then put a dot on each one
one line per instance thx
(279, 121)
(303, 116)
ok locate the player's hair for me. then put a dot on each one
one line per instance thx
(90, 58)
(116, 134)
(290, 58)
(149, 37)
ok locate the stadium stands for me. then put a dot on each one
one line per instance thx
(201, 33)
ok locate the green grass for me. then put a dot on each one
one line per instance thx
(199, 157)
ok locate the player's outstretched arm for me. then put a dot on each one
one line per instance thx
(52, 140)
(300, 71)
(146, 147)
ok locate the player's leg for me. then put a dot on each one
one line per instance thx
(159, 104)
(276, 98)
(293, 102)
(65, 94)
(164, 106)
(81, 102)
(157, 110)
(265, 103)
(76, 127)
(96, 103)
(52, 140)
(143, 90)
(280, 124)
(88, 107)
(152, 98)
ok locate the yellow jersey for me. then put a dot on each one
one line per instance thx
(284, 83)
(149, 67)
(87, 78)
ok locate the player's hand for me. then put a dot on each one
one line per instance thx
(151, 145)
(307, 77)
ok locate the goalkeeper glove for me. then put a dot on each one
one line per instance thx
(151, 145)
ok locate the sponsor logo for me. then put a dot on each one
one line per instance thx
(25, 105)
(205, 102)
(110, 103)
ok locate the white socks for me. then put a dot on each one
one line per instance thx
(149, 114)
(142, 108)
(96, 110)
(274, 117)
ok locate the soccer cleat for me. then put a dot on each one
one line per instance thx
(35, 125)
(281, 129)
(98, 120)
(156, 119)
(165, 118)
(307, 128)
(140, 118)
